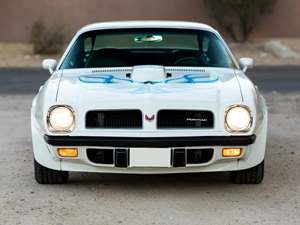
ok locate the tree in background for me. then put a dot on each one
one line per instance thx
(239, 17)
(47, 40)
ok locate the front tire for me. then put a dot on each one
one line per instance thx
(254, 175)
(45, 175)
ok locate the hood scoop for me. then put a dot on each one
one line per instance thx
(148, 74)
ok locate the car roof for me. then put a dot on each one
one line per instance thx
(146, 24)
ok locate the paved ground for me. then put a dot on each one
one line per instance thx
(134, 199)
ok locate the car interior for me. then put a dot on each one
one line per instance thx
(94, 51)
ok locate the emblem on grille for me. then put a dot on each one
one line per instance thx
(149, 118)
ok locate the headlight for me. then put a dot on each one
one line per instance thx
(238, 119)
(61, 119)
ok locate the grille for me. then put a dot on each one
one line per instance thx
(198, 156)
(114, 119)
(181, 156)
(102, 156)
(185, 119)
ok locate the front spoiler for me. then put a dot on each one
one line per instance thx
(154, 142)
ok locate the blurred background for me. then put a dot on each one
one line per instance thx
(266, 30)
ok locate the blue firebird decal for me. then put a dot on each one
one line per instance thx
(186, 79)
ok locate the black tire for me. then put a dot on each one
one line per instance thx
(253, 175)
(44, 175)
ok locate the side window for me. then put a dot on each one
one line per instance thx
(205, 44)
(88, 49)
(205, 49)
(88, 45)
(214, 52)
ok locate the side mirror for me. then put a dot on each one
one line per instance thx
(246, 63)
(49, 64)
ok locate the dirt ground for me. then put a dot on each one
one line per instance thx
(255, 49)
(21, 55)
(161, 199)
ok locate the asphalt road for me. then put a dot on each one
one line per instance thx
(279, 78)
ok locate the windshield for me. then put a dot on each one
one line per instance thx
(133, 47)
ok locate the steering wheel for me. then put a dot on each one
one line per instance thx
(188, 61)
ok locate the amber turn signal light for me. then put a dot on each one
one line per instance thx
(67, 152)
(232, 152)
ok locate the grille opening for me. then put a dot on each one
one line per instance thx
(198, 156)
(181, 157)
(178, 157)
(185, 119)
(121, 158)
(114, 119)
(101, 156)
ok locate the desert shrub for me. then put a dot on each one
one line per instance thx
(239, 17)
(47, 40)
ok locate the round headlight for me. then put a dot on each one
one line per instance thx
(61, 119)
(238, 119)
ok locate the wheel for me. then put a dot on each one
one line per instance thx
(44, 175)
(253, 175)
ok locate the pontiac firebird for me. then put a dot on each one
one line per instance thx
(148, 97)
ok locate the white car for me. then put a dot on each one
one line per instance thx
(148, 97)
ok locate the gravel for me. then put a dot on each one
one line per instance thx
(279, 50)
(154, 199)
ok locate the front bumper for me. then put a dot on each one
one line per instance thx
(120, 152)
(173, 144)
(150, 142)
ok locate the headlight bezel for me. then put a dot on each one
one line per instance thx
(249, 126)
(50, 126)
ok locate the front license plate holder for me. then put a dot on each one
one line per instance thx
(150, 157)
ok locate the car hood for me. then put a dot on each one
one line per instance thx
(110, 89)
